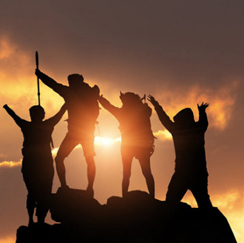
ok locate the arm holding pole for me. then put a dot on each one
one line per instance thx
(38, 83)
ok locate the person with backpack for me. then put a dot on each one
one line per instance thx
(83, 110)
(137, 139)
(37, 163)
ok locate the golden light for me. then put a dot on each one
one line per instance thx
(231, 205)
(10, 163)
(221, 100)
(106, 141)
(54, 151)
(163, 135)
(5, 48)
(8, 240)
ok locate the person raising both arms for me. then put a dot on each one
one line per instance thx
(190, 162)
(37, 163)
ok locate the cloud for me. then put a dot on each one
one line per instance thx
(163, 135)
(18, 81)
(228, 200)
(221, 100)
(231, 205)
(5, 48)
(10, 163)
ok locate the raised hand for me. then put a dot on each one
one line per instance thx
(152, 100)
(37, 72)
(203, 106)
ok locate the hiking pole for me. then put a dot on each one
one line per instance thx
(38, 85)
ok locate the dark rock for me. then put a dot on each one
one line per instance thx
(134, 218)
(42, 233)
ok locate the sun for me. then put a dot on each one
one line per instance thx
(106, 141)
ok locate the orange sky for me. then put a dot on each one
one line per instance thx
(182, 54)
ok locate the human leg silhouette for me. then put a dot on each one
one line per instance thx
(176, 189)
(43, 196)
(199, 190)
(61, 170)
(91, 172)
(89, 152)
(65, 149)
(147, 173)
(127, 161)
(30, 182)
(30, 206)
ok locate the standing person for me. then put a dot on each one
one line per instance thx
(137, 136)
(37, 163)
(190, 163)
(83, 110)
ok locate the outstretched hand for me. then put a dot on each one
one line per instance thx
(5, 106)
(100, 97)
(37, 72)
(152, 100)
(203, 106)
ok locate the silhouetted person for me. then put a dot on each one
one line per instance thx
(37, 163)
(190, 163)
(83, 110)
(137, 136)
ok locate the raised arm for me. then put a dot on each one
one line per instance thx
(16, 118)
(56, 118)
(203, 120)
(163, 117)
(108, 106)
(51, 83)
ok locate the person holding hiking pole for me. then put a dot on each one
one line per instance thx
(38, 83)
(37, 163)
(83, 110)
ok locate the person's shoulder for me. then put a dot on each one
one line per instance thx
(24, 124)
(47, 123)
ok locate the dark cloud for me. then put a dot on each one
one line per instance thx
(185, 40)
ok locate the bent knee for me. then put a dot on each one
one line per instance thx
(59, 159)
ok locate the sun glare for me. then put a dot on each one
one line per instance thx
(105, 141)
(163, 135)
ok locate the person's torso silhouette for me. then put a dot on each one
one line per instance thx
(37, 163)
(137, 139)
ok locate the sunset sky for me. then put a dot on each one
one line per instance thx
(181, 52)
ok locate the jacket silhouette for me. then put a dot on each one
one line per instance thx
(37, 163)
(190, 162)
(136, 136)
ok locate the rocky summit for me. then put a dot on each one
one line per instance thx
(134, 218)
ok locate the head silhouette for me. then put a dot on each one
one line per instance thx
(129, 98)
(37, 113)
(75, 80)
(184, 117)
